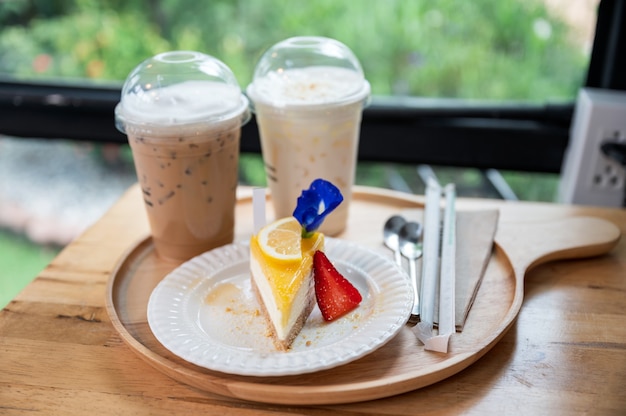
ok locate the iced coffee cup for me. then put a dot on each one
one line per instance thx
(308, 94)
(182, 112)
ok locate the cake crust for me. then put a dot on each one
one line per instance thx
(285, 345)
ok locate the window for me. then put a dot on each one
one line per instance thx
(482, 84)
(522, 50)
(484, 74)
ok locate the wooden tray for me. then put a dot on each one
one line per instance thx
(401, 365)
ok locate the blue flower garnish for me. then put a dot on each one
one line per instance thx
(315, 203)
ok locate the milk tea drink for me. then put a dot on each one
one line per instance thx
(309, 117)
(184, 136)
(188, 179)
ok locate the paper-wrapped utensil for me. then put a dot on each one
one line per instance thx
(430, 261)
(258, 207)
(443, 278)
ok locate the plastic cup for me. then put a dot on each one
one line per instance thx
(308, 94)
(182, 112)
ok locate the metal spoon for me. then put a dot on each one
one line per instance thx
(391, 237)
(411, 247)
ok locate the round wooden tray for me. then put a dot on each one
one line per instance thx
(402, 364)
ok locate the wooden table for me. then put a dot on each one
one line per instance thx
(565, 354)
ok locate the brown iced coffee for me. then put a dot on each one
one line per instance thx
(184, 135)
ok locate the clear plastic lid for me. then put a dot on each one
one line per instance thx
(308, 70)
(180, 88)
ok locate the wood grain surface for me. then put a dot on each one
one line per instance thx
(564, 354)
(402, 364)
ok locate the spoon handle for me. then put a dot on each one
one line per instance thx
(398, 257)
(415, 311)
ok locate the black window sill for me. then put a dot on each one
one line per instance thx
(513, 136)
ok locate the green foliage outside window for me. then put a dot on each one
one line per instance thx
(479, 49)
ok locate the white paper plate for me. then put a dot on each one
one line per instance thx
(205, 312)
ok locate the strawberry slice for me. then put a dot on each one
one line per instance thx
(335, 295)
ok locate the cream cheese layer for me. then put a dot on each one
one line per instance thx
(284, 286)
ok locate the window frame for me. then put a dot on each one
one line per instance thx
(439, 132)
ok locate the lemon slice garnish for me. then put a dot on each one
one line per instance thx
(281, 240)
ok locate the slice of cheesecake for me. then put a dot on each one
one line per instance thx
(281, 262)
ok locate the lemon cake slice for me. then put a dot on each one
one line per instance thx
(281, 263)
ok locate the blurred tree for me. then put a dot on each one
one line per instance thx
(513, 49)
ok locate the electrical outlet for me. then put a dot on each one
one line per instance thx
(608, 175)
(588, 176)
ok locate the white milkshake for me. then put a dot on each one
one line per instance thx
(309, 121)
